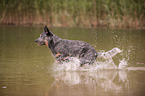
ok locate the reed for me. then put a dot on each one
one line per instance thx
(72, 13)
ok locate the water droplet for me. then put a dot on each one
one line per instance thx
(4, 87)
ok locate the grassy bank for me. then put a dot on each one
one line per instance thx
(72, 13)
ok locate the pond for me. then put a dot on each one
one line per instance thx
(27, 69)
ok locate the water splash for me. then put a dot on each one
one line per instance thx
(105, 63)
(72, 65)
(123, 64)
(111, 53)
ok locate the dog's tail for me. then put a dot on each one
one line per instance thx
(109, 54)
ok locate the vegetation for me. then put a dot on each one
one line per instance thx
(71, 13)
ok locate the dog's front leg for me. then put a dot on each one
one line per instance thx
(61, 57)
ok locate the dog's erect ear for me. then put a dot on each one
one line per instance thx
(48, 33)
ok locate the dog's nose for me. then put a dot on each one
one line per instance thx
(36, 40)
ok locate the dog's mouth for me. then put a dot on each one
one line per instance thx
(40, 43)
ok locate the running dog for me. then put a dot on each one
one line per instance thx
(62, 49)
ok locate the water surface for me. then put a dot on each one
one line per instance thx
(26, 69)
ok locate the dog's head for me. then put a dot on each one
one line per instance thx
(45, 37)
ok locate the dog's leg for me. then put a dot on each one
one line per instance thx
(88, 57)
(84, 61)
(62, 57)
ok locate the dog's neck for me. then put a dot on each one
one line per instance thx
(53, 42)
(56, 39)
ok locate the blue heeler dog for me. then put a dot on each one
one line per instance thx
(63, 48)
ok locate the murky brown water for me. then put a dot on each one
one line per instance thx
(26, 69)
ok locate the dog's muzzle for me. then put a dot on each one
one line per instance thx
(36, 40)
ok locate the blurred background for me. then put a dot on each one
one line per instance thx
(72, 13)
(29, 70)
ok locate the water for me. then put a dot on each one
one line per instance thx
(30, 70)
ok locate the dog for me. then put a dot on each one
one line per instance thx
(62, 49)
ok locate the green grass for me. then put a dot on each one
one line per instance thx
(72, 13)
